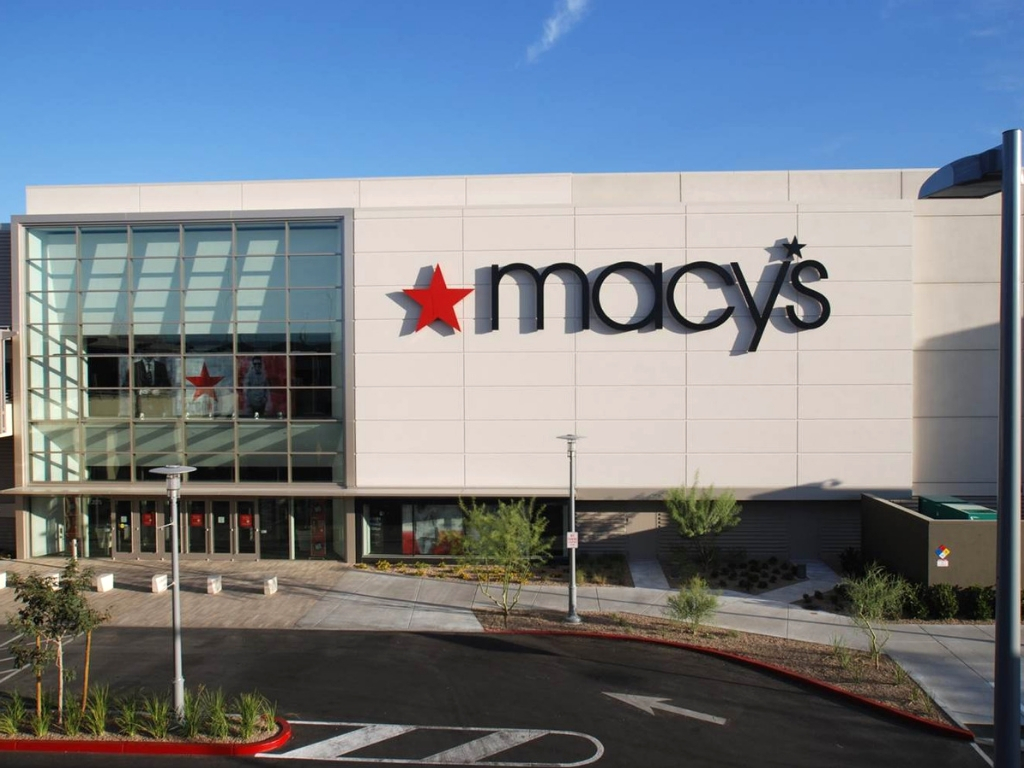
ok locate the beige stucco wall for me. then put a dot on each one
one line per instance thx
(823, 413)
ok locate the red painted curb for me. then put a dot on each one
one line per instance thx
(125, 747)
(946, 730)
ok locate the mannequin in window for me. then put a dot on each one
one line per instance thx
(151, 372)
(256, 390)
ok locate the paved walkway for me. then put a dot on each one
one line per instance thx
(953, 663)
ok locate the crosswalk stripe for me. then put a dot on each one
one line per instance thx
(350, 742)
(486, 746)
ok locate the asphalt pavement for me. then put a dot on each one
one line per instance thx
(441, 698)
(954, 663)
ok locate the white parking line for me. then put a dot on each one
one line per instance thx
(475, 750)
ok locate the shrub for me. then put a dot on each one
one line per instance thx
(978, 603)
(158, 714)
(97, 710)
(195, 709)
(875, 597)
(914, 606)
(942, 601)
(12, 714)
(510, 541)
(701, 514)
(693, 604)
(40, 722)
(128, 719)
(852, 563)
(250, 708)
(216, 724)
(73, 715)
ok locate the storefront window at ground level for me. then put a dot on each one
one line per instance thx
(137, 335)
(415, 527)
(302, 528)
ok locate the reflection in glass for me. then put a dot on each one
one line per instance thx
(260, 239)
(273, 528)
(147, 526)
(246, 511)
(208, 241)
(157, 241)
(123, 526)
(314, 238)
(99, 538)
(312, 403)
(213, 468)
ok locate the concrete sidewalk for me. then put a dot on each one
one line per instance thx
(954, 663)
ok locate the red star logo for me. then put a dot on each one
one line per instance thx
(438, 301)
(204, 383)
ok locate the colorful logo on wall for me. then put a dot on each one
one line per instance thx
(438, 301)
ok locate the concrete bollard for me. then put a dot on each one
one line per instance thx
(53, 579)
(159, 583)
(213, 585)
(3, 579)
(104, 582)
(270, 585)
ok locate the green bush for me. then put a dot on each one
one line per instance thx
(694, 604)
(914, 606)
(97, 710)
(876, 597)
(978, 603)
(13, 714)
(942, 601)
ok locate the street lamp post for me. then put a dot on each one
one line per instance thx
(572, 539)
(981, 175)
(173, 475)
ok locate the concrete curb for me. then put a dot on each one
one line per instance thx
(132, 747)
(907, 717)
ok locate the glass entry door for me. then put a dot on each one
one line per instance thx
(221, 514)
(139, 528)
(195, 527)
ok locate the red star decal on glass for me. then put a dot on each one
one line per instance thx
(204, 383)
(438, 301)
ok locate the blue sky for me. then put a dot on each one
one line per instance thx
(149, 91)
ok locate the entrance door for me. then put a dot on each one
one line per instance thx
(139, 530)
(195, 522)
(221, 527)
(124, 528)
(247, 526)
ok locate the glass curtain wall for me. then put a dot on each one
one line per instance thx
(216, 345)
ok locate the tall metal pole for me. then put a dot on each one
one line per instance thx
(572, 617)
(1007, 715)
(173, 486)
(173, 476)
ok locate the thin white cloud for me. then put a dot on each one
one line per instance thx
(566, 15)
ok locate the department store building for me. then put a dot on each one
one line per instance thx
(342, 361)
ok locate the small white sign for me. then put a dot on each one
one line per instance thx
(942, 563)
(572, 540)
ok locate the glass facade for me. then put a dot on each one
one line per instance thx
(216, 345)
(412, 527)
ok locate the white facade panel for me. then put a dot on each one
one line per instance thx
(411, 470)
(743, 470)
(408, 436)
(524, 369)
(632, 436)
(856, 436)
(408, 402)
(419, 235)
(501, 233)
(631, 231)
(630, 470)
(414, 369)
(746, 436)
(837, 472)
(516, 403)
(521, 436)
(635, 402)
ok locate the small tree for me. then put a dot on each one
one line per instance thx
(875, 597)
(694, 604)
(701, 514)
(51, 613)
(507, 543)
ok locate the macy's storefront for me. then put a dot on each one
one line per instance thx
(343, 360)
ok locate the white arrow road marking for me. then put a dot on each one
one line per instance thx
(650, 703)
(476, 749)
